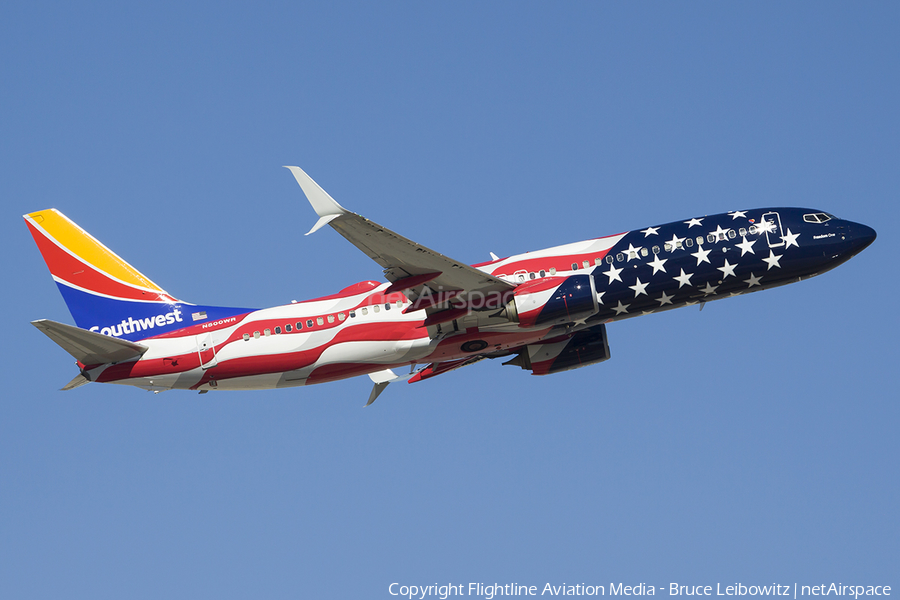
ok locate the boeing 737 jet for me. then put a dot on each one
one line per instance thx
(544, 311)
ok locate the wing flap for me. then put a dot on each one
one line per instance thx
(88, 347)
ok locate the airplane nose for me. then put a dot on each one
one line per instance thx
(860, 237)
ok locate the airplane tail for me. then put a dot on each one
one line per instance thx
(103, 292)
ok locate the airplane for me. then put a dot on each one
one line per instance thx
(545, 311)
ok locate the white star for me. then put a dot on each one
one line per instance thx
(665, 299)
(650, 231)
(600, 297)
(632, 252)
(613, 273)
(754, 280)
(721, 234)
(675, 243)
(621, 308)
(746, 246)
(768, 226)
(657, 264)
(738, 214)
(683, 279)
(727, 270)
(693, 222)
(772, 261)
(709, 289)
(701, 255)
(639, 288)
(790, 239)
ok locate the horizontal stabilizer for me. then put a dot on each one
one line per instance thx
(87, 347)
(78, 381)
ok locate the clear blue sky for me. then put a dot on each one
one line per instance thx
(754, 442)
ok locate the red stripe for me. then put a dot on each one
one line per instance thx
(72, 270)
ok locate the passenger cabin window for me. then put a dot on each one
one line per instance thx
(256, 335)
(711, 238)
(376, 308)
(620, 257)
(320, 321)
(299, 325)
(543, 273)
(309, 323)
(341, 316)
(352, 314)
(644, 252)
(553, 270)
(330, 318)
(574, 266)
(365, 311)
(277, 330)
(598, 261)
(267, 332)
(699, 240)
(609, 259)
(585, 264)
(655, 249)
(743, 231)
(287, 328)
(689, 242)
(531, 276)
(246, 337)
(753, 230)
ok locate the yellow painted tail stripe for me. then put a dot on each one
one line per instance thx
(83, 245)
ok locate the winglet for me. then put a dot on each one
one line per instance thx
(324, 205)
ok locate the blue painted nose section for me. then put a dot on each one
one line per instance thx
(860, 237)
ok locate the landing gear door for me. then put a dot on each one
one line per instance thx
(206, 350)
(774, 234)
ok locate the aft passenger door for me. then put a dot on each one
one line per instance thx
(206, 350)
(774, 233)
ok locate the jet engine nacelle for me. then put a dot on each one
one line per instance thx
(583, 348)
(553, 300)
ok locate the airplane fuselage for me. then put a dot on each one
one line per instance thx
(368, 327)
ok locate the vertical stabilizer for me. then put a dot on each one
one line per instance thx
(104, 293)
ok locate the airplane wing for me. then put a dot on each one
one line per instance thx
(406, 264)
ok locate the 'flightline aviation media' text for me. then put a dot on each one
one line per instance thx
(490, 591)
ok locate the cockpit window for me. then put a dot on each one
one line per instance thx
(817, 217)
